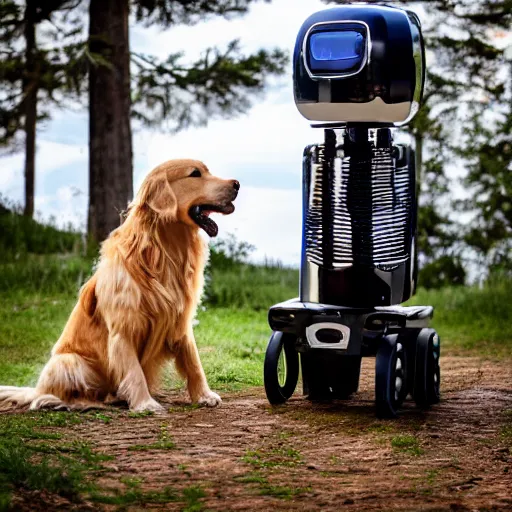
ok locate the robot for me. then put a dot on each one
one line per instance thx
(358, 72)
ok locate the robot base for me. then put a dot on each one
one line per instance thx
(332, 340)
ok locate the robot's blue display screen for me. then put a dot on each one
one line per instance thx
(336, 45)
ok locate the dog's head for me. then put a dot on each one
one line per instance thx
(185, 191)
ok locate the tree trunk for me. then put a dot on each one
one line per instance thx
(110, 138)
(30, 87)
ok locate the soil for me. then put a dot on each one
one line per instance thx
(246, 455)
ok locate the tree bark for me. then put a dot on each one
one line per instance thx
(110, 138)
(30, 87)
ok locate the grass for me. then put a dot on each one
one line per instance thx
(407, 444)
(232, 346)
(134, 495)
(473, 319)
(250, 286)
(283, 492)
(35, 455)
(20, 235)
(164, 442)
(266, 488)
(232, 341)
(38, 291)
(272, 458)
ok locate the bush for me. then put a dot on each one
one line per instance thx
(473, 317)
(20, 235)
(445, 271)
(250, 286)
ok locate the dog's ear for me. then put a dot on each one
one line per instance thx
(88, 297)
(159, 197)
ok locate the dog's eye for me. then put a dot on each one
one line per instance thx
(196, 173)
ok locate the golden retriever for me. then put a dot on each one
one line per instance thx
(135, 313)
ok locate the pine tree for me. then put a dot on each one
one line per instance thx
(30, 77)
(217, 85)
(490, 181)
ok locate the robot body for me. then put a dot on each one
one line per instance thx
(359, 70)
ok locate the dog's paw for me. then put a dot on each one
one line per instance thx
(210, 399)
(148, 406)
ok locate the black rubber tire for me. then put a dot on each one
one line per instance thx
(280, 344)
(347, 381)
(390, 365)
(330, 376)
(427, 373)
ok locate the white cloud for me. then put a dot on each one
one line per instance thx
(267, 25)
(50, 156)
(7, 176)
(270, 136)
(270, 220)
(66, 206)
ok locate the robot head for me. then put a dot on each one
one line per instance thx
(359, 64)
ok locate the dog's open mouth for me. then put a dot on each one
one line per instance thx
(201, 216)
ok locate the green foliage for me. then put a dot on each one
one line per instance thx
(187, 12)
(34, 456)
(17, 469)
(490, 180)
(134, 496)
(55, 72)
(228, 250)
(272, 458)
(20, 235)
(473, 318)
(218, 85)
(46, 274)
(232, 282)
(442, 272)
(251, 286)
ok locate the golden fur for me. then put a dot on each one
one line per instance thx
(136, 311)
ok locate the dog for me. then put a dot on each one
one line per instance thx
(136, 311)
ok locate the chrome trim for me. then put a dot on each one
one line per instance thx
(373, 111)
(310, 282)
(314, 342)
(419, 59)
(366, 59)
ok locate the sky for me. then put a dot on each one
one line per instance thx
(262, 149)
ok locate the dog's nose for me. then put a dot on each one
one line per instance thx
(236, 185)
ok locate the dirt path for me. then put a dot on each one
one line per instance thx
(303, 456)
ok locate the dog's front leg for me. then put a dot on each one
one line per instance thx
(128, 375)
(190, 367)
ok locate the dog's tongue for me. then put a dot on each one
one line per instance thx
(201, 217)
(209, 226)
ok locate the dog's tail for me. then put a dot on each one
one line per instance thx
(12, 397)
(66, 382)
